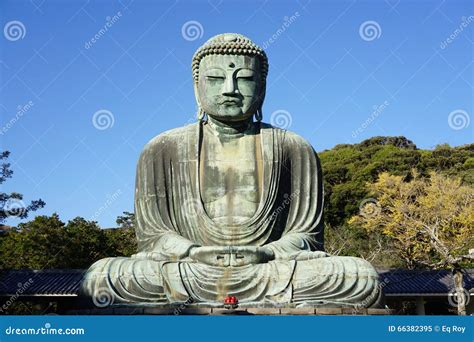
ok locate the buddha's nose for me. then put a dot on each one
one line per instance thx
(230, 87)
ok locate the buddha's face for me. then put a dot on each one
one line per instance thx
(230, 87)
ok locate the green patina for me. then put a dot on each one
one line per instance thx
(231, 206)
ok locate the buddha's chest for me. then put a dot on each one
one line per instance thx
(230, 176)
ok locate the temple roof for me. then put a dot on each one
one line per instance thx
(66, 282)
(40, 282)
(422, 282)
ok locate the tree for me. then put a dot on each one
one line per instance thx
(46, 242)
(127, 220)
(352, 240)
(347, 168)
(12, 204)
(122, 241)
(38, 244)
(430, 220)
(87, 243)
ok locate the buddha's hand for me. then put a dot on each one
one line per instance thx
(250, 255)
(211, 255)
(231, 255)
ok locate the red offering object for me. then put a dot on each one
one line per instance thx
(231, 301)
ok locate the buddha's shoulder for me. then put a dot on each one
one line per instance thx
(289, 138)
(170, 136)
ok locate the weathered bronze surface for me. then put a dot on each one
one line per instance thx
(231, 206)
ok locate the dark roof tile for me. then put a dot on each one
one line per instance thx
(422, 281)
(40, 282)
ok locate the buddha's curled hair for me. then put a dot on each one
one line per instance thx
(229, 44)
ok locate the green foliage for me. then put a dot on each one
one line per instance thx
(353, 240)
(347, 169)
(121, 241)
(127, 220)
(430, 220)
(12, 204)
(47, 242)
(88, 243)
(40, 243)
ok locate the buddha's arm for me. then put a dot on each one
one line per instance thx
(304, 226)
(157, 236)
(169, 246)
(290, 244)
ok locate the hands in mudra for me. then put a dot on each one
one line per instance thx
(225, 256)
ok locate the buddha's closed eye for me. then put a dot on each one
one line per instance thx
(247, 78)
(215, 79)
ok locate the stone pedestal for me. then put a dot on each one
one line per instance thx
(179, 310)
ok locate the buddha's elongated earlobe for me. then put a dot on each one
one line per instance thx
(259, 114)
(200, 112)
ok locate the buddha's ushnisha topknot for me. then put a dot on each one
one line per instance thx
(229, 44)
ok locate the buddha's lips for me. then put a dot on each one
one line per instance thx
(233, 101)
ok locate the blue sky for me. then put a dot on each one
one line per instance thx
(340, 72)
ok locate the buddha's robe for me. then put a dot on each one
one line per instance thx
(171, 219)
